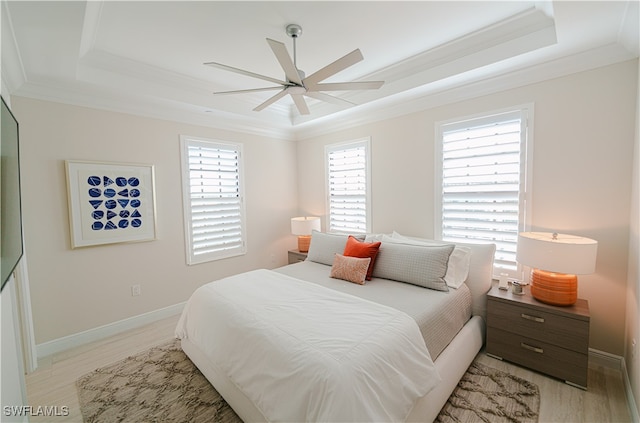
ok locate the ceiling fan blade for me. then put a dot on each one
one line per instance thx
(247, 73)
(252, 90)
(285, 61)
(300, 104)
(344, 62)
(329, 98)
(271, 100)
(344, 86)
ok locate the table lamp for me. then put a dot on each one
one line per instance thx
(303, 226)
(555, 260)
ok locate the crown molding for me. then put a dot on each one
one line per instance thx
(11, 67)
(421, 98)
(628, 33)
(519, 34)
(456, 89)
(107, 100)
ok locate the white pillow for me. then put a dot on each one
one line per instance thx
(458, 266)
(324, 246)
(422, 265)
(373, 237)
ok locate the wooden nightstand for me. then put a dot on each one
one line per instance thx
(552, 340)
(295, 256)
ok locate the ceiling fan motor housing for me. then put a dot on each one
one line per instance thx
(294, 30)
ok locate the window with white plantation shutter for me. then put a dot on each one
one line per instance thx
(348, 187)
(213, 199)
(482, 186)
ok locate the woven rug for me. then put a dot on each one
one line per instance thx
(162, 385)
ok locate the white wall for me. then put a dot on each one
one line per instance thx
(77, 290)
(583, 147)
(582, 167)
(631, 354)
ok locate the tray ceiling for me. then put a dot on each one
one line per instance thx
(147, 57)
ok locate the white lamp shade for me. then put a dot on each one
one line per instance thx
(304, 225)
(562, 253)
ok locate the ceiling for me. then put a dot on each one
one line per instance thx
(147, 57)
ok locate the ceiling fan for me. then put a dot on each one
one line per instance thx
(297, 85)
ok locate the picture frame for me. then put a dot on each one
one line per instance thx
(110, 202)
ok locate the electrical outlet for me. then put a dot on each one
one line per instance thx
(135, 290)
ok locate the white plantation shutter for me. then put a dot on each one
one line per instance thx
(483, 184)
(348, 187)
(213, 200)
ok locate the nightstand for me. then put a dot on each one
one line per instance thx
(296, 255)
(549, 339)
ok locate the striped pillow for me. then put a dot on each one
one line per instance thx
(422, 265)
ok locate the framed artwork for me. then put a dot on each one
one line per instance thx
(110, 202)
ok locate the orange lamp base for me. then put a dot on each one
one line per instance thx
(558, 289)
(303, 243)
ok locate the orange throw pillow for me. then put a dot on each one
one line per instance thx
(357, 248)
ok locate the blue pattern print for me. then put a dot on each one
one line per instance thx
(105, 201)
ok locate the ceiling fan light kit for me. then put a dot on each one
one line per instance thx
(297, 84)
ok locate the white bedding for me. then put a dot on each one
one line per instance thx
(439, 315)
(293, 369)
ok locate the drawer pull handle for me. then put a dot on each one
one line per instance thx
(530, 348)
(532, 318)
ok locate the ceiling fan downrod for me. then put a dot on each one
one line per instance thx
(294, 31)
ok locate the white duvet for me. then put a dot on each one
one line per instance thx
(303, 352)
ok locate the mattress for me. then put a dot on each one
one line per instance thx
(439, 315)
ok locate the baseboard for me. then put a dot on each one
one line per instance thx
(631, 399)
(61, 344)
(605, 359)
(617, 362)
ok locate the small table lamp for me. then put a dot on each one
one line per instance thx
(555, 259)
(303, 226)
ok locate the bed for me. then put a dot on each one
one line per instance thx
(305, 343)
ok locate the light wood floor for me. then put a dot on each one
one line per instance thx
(53, 384)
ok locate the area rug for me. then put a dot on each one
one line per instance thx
(162, 385)
(485, 394)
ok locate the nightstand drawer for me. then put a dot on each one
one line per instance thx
(564, 364)
(555, 329)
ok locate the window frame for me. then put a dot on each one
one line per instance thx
(186, 142)
(526, 112)
(361, 142)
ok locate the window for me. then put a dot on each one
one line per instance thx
(481, 186)
(348, 187)
(213, 199)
